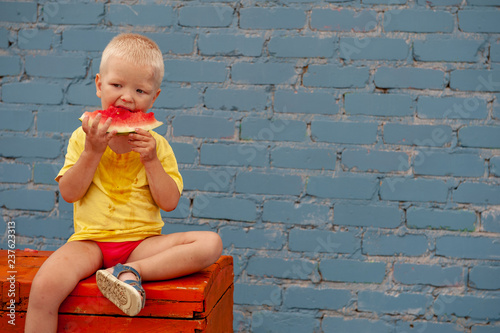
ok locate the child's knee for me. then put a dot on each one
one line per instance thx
(215, 244)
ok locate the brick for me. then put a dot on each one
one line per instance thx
(495, 51)
(379, 216)
(56, 66)
(212, 207)
(35, 39)
(311, 159)
(473, 307)
(10, 65)
(65, 121)
(475, 80)
(195, 71)
(235, 99)
(234, 155)
(265, 73)
(485, 329)
(83, 93)
(315, 298)
(479, 136)
(484, 277)
(45, 173)
(283, 322)
(180, 212)
(422, 218)
(409, 189)
(38, 227)
(72, 13)
(31, 200)
(417, 135)
(279, 129)
(354, 271)
(344, 132)
(257, 294)
(230, 45)
(494, 164)
(402, 303)
(317, 102)
(203, 126)
(18, 12)
(177, 98)
(414, 20)
(342, 187)
(30, 147)
(137, 15)
(445, 164)
(452, 107)
(291, 213)
(174, 43)
(15, 173)
(32, 92)
(206, 16)
(427, 326)
(378, 104)
(434, 275)
(491, 221)
(4, 38)
(477, 193)
(441, 50)
(482, 3)
(478, 21)
(321, 241)
(375, 243)
(410, 78)
(332, 76)
(390, 49)
(264, 183)
(85, 40)
(300, 269)
(269, 239)
(468, 247)
(16, 120)
(343, 20)
(301, 47)
(367, 160)
(272, 18)
(207, 180)
(346, 324)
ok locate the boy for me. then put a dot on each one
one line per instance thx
(118, 184)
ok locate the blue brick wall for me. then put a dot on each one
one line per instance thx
(347, 151)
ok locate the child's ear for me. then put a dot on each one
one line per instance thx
(98, 85)
(155, 97)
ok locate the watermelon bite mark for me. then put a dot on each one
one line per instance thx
(124, 121)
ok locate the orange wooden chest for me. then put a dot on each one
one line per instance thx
(201, 302)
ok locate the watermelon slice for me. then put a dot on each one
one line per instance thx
(124, 120)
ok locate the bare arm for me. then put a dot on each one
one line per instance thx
(163, 188)
(75, 182)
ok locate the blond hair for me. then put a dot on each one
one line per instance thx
(137, 49)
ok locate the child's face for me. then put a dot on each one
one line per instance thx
(123, 83)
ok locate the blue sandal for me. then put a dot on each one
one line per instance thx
(126, 295)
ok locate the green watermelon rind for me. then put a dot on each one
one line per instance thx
(123, 129)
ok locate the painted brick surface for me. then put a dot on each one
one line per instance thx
(347, 152)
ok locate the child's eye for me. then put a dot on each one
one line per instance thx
(140, 91)
(116, 85)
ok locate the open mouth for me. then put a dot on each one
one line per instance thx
(127, 109)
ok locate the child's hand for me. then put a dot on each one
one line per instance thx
(97, 137)
(143, 143)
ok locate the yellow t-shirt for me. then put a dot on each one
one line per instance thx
(118, 205)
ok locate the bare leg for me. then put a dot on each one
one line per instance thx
(169, 256)
(55, 280)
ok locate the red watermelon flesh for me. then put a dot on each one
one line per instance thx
(124, 120)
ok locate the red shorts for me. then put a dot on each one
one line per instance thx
(116, 252)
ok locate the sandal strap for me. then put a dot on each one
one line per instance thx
(119, 269)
